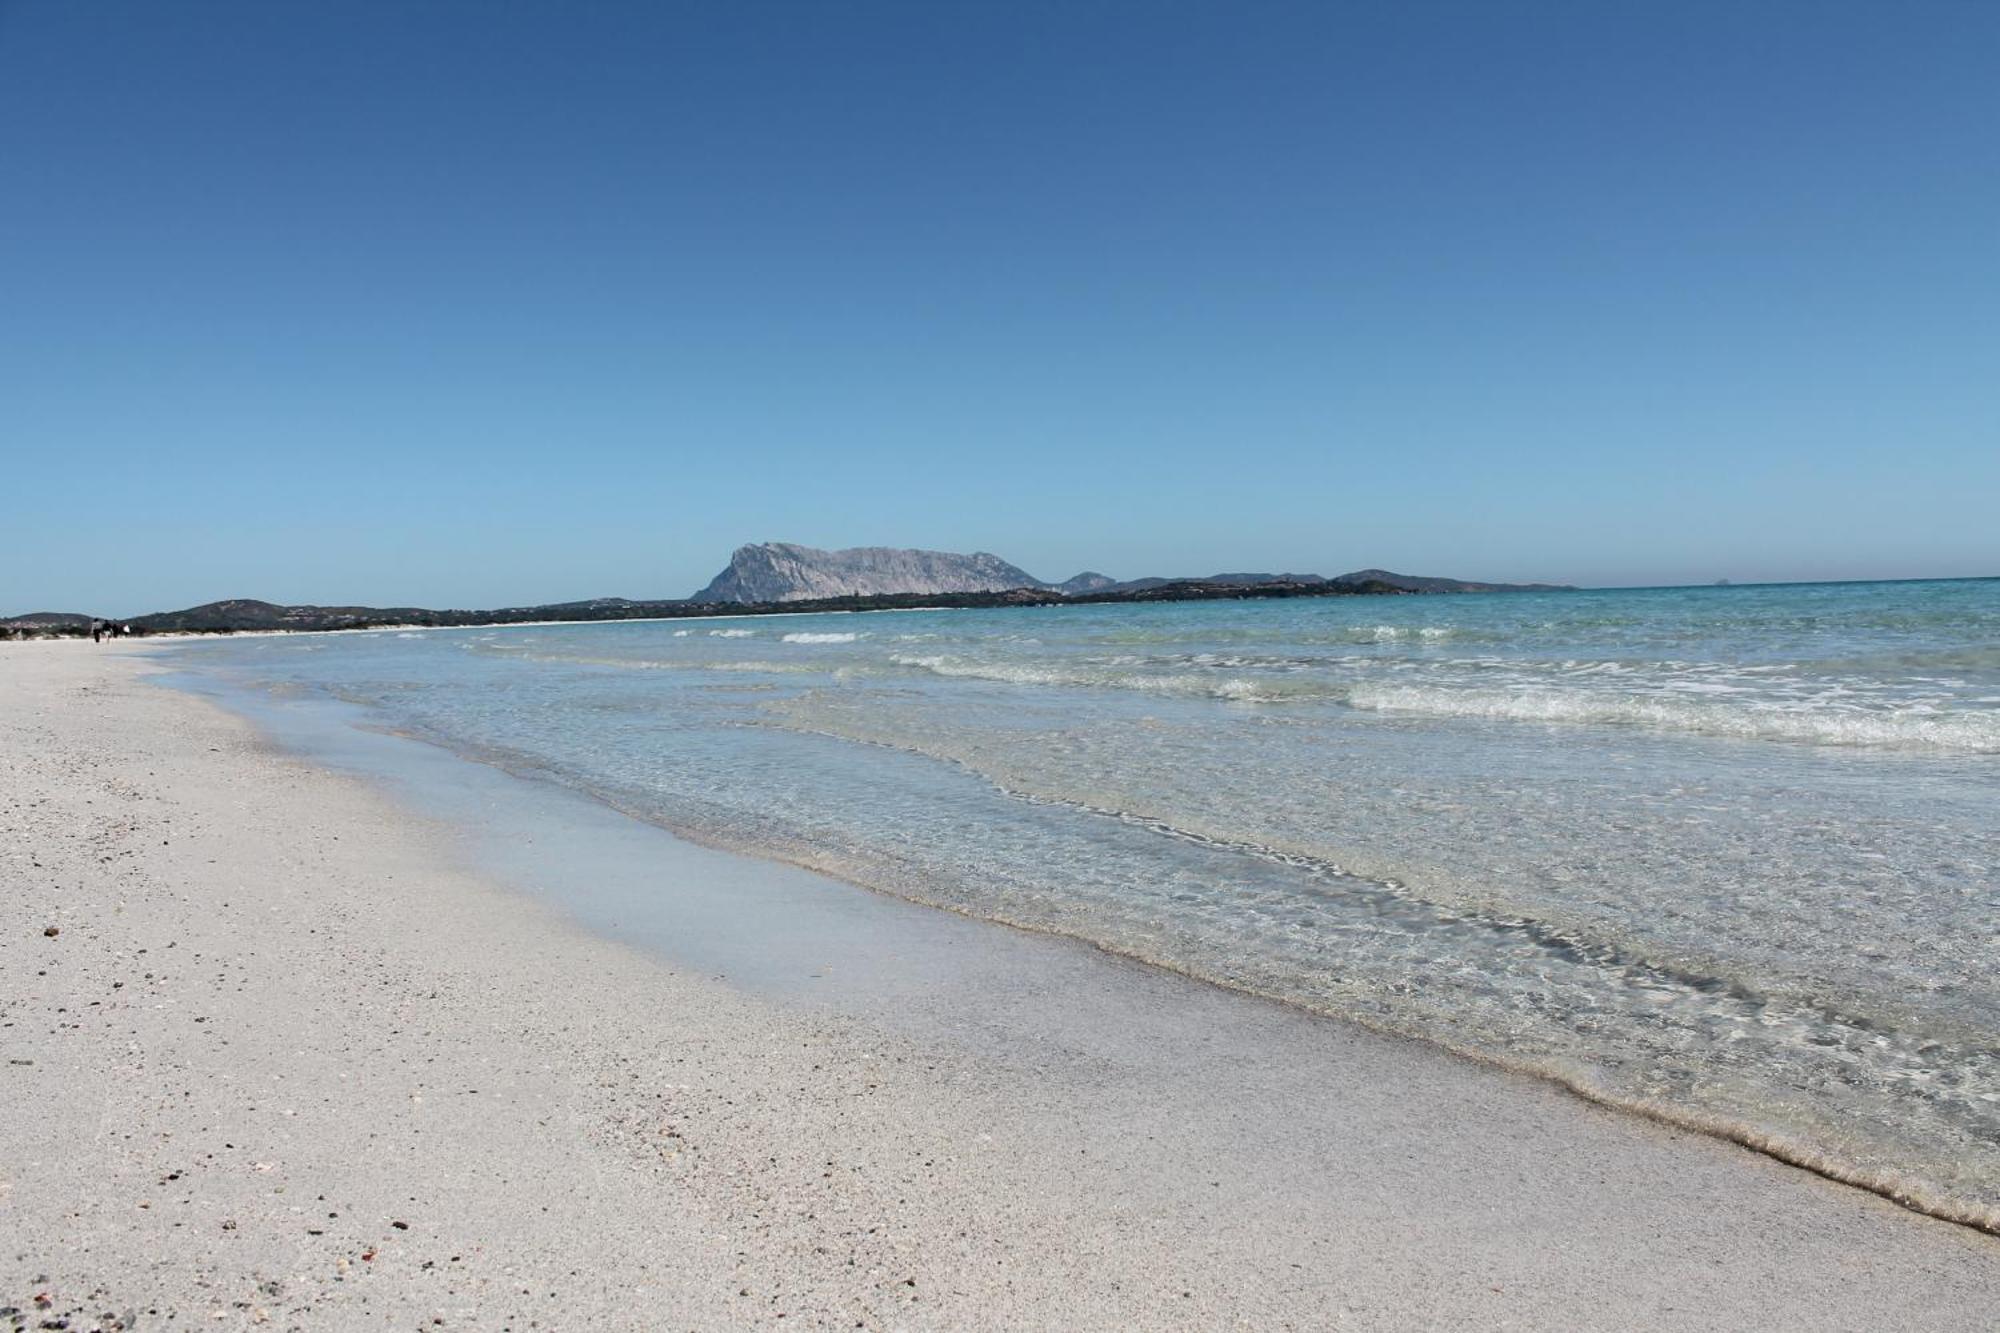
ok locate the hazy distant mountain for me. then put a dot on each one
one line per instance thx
(782, 572)
(1419, 583)
(1374, 580)
(47, 620)
(34, 624)
(1088, 581)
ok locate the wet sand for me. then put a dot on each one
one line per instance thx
(304, 1055)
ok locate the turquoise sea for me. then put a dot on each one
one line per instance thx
(1727, 856)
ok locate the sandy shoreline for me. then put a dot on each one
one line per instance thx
(290, 1060)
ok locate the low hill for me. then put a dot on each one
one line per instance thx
(47, 620)
(244, 615)
(1420, 583)
(241, 613)
(1373, 579)
(45, 624)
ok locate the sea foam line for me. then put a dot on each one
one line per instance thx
(1688, 707)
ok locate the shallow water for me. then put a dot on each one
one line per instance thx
(1727, 855)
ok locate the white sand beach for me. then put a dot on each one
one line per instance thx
(274, 1052)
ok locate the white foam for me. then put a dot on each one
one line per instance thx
(1706, 707)
(1906, 728)
(804, 637)
(731, 633)
(1190, 684)
(1393, 633)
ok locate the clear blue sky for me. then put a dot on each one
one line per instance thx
(463, 304)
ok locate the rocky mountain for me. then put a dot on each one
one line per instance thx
(783, 572)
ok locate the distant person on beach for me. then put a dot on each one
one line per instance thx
(97, 631)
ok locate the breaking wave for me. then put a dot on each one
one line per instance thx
(1914, 727)
(1674, 705)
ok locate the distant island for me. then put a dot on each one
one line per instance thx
(780, 576)
(780, 572)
